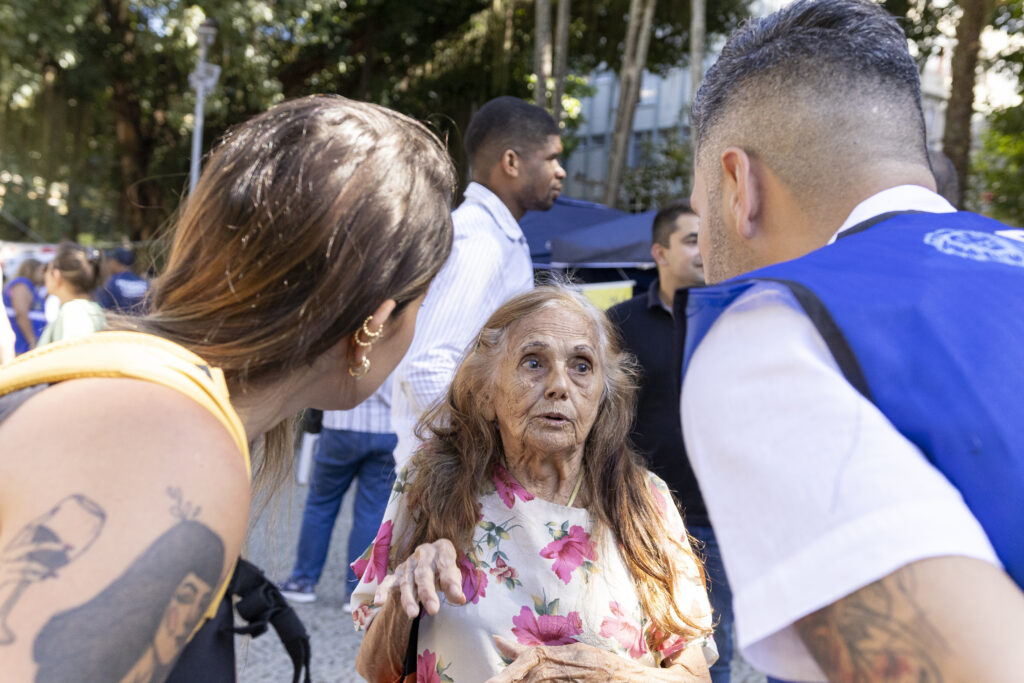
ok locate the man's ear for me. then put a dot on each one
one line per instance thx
(658, 254)
(510, 163)
(741, 196)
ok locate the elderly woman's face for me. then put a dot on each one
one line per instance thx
(549, 383)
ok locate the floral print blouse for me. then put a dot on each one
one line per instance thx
(537, 574)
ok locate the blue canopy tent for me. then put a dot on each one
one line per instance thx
(566, 216)
(620, 243)
(596, 243)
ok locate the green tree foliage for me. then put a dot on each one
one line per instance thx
(662, 172)
(96, 109)
(999, 167)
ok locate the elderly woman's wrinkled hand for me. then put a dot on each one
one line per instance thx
(431, 567)
(573, 662)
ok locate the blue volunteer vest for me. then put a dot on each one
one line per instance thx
(36, 314)
(924, 314)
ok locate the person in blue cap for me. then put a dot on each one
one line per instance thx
(124, 291)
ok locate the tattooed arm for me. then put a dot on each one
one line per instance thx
(122, 509)
(941, 619)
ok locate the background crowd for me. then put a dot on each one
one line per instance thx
(761, 450)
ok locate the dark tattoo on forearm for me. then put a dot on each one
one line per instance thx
(876, 634)
(134, 629)
(48, 543)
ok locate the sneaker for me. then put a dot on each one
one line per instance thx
(298, 590)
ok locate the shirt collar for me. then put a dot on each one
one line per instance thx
(494, 206)
(654, 297)
(899, 198)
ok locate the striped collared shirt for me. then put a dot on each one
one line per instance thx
(372, 416)
(489, 264)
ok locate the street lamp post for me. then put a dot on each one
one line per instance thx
(202, 79)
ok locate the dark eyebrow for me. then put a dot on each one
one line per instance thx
(533, 345)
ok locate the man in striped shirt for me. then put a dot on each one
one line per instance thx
(513, 149)
(354, 444)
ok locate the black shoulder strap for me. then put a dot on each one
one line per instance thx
(409, 666)
(261, 603)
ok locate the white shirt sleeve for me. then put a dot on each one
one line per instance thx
(811, 491)
(457, 306)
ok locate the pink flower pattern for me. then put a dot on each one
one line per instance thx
(361, 616)
(426, 668)
(516, 569)
(474, 580)
(502, 571)
(569, 551)
(373, 565)
(625, 632)
(547, 629)
(508, 488)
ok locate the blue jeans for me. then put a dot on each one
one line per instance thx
(340, 457)
(721, 600)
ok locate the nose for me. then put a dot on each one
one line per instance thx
(557, 383)
(559, 171)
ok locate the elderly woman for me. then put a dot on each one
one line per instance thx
(527, 528)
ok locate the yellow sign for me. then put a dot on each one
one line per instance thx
(604, 295)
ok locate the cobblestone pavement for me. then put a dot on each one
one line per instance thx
(272, 544)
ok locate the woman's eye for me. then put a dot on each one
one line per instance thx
(582, 367)
(531, 363)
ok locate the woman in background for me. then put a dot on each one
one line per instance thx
(24, 305)
(71, 276)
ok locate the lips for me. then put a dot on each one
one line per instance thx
(555, 418)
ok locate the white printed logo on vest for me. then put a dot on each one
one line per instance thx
(977, 246)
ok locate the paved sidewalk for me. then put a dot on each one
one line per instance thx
(272, 544)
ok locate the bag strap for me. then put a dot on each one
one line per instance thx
(261, 603)
(409, 665)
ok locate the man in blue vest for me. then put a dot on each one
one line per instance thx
(852, 384)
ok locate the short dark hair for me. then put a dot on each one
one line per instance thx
(841, 64)
(665, 220)
(506, 123)
(946, 180)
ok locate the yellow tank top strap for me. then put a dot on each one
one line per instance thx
(132, 355)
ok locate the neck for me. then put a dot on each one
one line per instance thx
(551, 478)
(65, 295)
(504, 194)
(263, 407)
(667, 290)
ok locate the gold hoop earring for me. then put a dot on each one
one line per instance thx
(370, 336)
(362, 370)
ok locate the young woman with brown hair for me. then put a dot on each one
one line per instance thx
(293, 281)
(71, 276)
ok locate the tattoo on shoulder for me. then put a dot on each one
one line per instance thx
(878, 633)
(134, 629)
(42, 548)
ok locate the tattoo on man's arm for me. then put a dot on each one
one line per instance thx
(44, 546)
(878, 633)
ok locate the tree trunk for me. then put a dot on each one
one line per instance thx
(141, 198)
(698, 29)
(956, 140)
(502, 27)
(561, 57)
(638, 34)
(542, 51)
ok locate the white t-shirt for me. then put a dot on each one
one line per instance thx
(812, 492)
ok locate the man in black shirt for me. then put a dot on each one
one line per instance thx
(645, 322)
